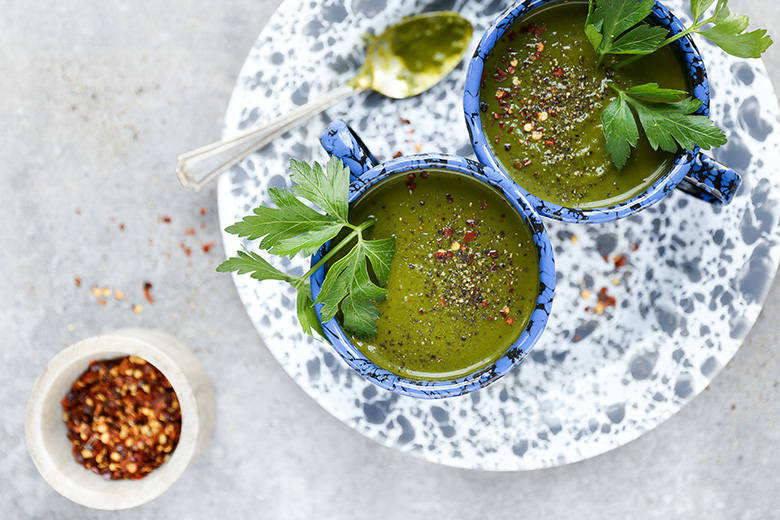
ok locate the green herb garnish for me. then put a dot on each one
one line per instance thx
(667, 116)
(293, 227)
(666, 119)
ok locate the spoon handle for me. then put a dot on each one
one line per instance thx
(202, 165)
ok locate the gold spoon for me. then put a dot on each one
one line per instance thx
(405, 60)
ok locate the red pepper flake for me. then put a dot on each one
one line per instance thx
(471, 223)
(604, 301)
(484, 303)
(558, 72)
(499, 76)
(424, 174)
(493, 253)
(411, 176)
(190, 232)
(527, 162)
(123, 418)
(509, 321)
(207, 247)
(405, 121)
(484, 205)
(470, 235)
(620, 261)
(147, 293)
(165, 219)
(440, 255)
(633, 247)
(397, 155)
(411, 185)
(78, 282)
(203, 210)
(449, 198)
(442, 302)
(448, 232)
(421, 312)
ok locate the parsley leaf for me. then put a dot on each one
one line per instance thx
(348, 278)
(248, 262)
(668, 122)
(728, 33)
(620, 130)
(698, 7)
(612, 28)
(294, 227)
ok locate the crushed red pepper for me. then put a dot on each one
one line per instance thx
(123, 418)
(147, 292)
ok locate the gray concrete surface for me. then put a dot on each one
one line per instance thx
(96, 100)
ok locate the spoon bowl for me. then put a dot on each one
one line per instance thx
(405, 60)
(412, 56)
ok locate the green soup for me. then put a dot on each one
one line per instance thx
(464, 280)
(541, 101)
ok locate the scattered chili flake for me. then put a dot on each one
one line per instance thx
(397, 154)
(147, 292)
(203, 210)
(405, 121)
(411, 185)
(207, 247)
(190, 232)
(78, 282)
(123, 418)
(604, 301)
(509, 321)
(620, 261)
(165, 219)
(470, 235)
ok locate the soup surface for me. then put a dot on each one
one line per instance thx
(464, 280)
(541, 102)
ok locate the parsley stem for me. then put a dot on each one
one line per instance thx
(357, 232)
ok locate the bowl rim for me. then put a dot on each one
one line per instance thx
(433, 389)
(685, 159)
(46, 433)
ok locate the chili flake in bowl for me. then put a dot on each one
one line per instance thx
(123, 418)
(150, 418)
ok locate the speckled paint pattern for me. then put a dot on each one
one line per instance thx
(688, 278)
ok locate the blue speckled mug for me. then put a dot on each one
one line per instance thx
(339, 140)
(692, 171)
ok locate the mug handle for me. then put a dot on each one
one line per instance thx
(709, 180)
(341, 141)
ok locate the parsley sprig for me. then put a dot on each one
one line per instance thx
(296, 228)
(667, 116)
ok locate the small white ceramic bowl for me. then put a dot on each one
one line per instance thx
(47, 435)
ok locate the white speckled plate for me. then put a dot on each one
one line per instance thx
(691, 287)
